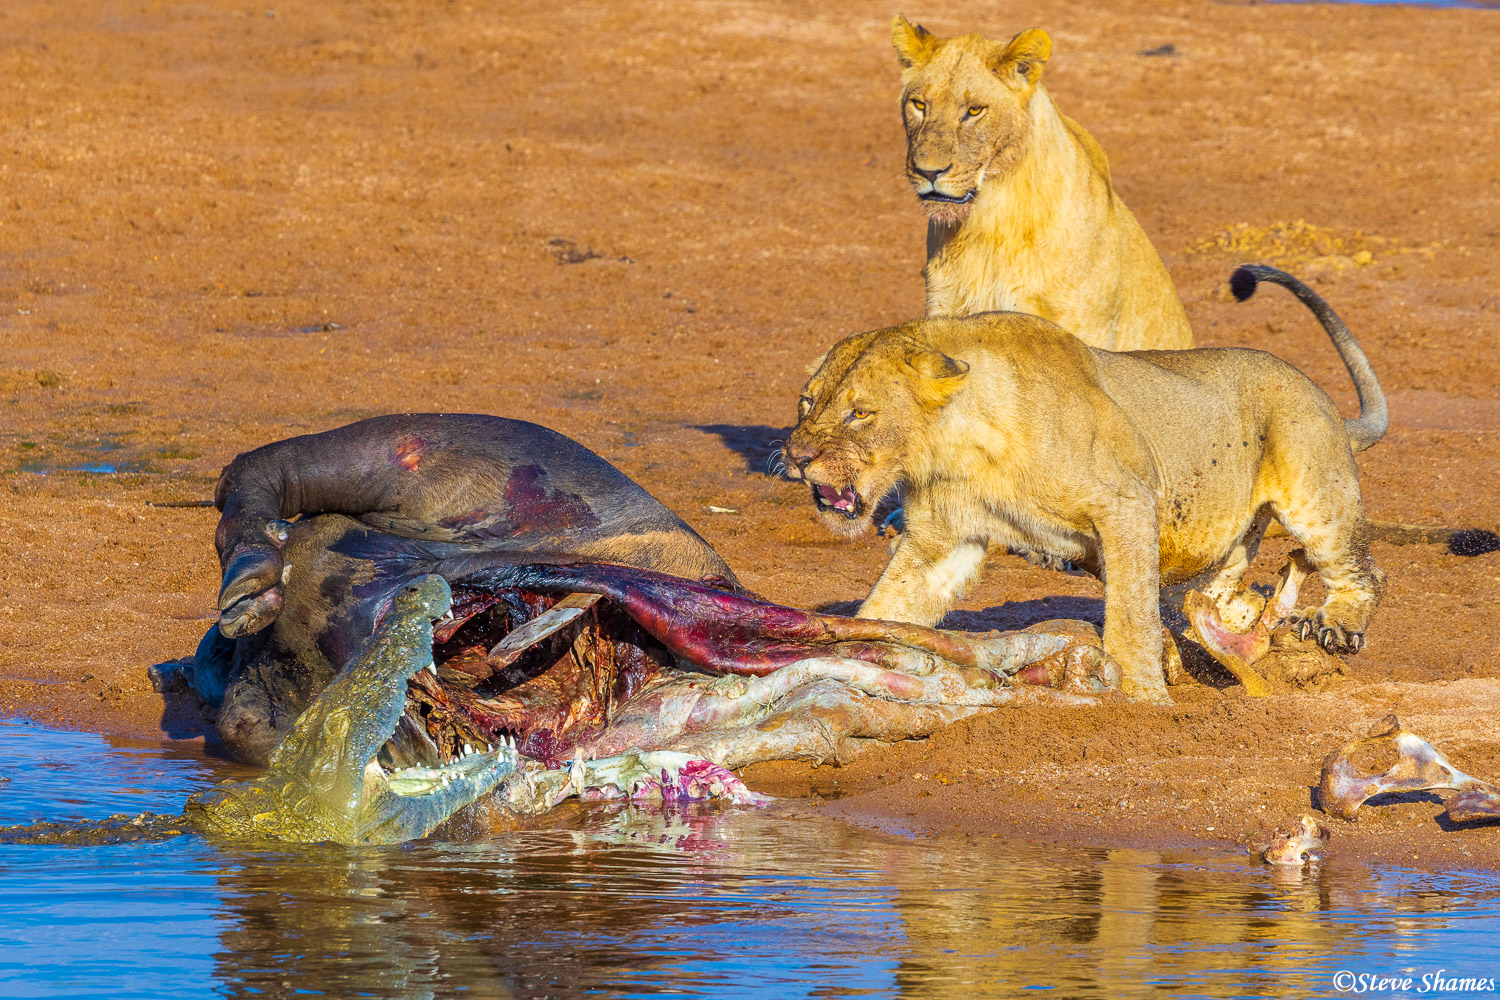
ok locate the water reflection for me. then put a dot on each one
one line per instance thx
(640, 904)
(1126, 923)
(775, 902)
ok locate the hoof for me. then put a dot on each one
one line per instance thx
(250, 597)
(251, 614)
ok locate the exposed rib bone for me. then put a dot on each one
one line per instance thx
(1421, 767)
(743, 680)
(721, 632)
(559, 616)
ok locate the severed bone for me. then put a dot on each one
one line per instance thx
(1296, 845)
(1343, 789)
(1238, 652)
(1478, 801)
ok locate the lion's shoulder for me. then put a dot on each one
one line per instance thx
(1095, 152)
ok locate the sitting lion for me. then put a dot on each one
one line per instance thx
(1149, 469)
(1023, 215)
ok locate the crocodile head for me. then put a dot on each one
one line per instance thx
(323, 782)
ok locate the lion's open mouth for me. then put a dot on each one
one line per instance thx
(935, 195)
(844, 501)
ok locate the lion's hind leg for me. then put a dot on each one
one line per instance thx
(1337, 544)
(1239, 608)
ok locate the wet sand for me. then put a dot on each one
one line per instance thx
(638, 225)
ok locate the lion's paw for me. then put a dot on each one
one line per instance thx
(1330, 635)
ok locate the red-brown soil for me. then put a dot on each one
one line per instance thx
(222, 224)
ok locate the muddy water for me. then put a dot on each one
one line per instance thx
(772, 902)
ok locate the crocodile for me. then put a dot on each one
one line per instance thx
(323, 782)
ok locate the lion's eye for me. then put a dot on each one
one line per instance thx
(804, 406)
(976, 111)
(919, 106)
(858, 414)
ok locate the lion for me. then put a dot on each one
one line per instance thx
(1023, 216)
(1148, 469)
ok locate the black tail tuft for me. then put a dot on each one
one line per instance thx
(1373, 418)
(1242, 283)
(1473, 542)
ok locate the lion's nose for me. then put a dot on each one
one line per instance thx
(932, 175)
(800, 455)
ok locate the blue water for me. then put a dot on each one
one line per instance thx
(95, 468)
(778, 902)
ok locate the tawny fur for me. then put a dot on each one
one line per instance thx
(1148, 469)
(1043, 232)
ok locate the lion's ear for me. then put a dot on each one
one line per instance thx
(914, 43)
(1025, 56)
(938, 376)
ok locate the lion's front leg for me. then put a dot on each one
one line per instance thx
(924, 578)
(1130, 549)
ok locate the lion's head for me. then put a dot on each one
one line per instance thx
(861, 421)
(965, 101)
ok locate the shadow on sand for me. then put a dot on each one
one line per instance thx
(757, 444)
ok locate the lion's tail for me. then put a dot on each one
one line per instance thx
(1373, 419)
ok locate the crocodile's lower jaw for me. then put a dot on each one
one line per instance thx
(416, 781)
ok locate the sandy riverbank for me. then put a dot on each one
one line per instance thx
(638, 225)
